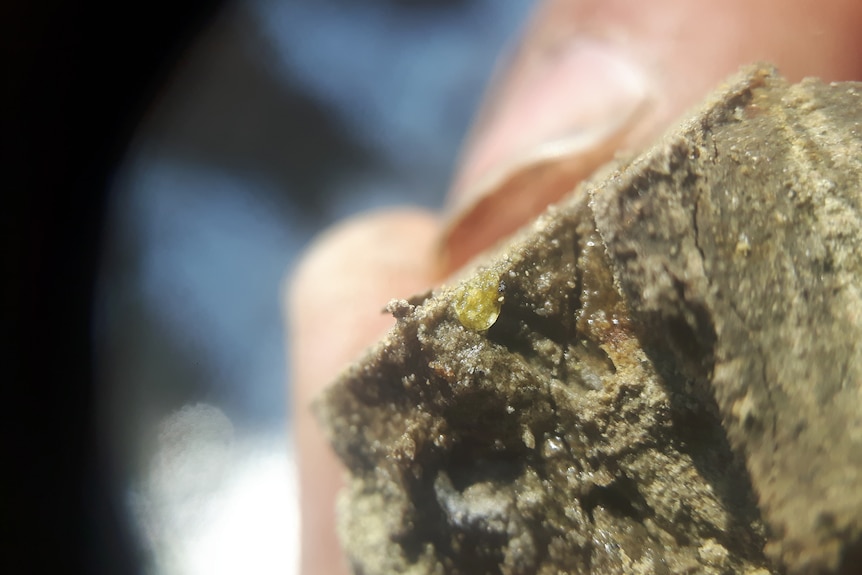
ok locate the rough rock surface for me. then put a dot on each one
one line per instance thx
(674, 381)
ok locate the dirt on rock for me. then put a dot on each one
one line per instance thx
(672, 382)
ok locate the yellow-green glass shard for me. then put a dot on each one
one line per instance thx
(477, 300)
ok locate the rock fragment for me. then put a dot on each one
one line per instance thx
(672, 383)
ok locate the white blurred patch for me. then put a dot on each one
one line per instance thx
(213, 506)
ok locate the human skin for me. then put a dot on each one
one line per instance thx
(588, 78)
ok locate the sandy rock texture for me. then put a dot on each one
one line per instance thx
(672, 377)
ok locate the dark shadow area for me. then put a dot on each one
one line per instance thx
(77, 76)
(621, 499)
(235, 113)
(684, 357)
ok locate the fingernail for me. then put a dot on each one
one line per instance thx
(583, 91)
(572, 104)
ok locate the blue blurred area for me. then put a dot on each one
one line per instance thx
(214, 253)
(403, 79)
(286, 116)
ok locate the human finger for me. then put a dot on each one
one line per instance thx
(593, 77)
(334, 310)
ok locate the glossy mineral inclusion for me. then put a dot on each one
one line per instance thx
(477, 300)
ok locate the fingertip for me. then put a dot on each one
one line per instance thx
(334, 297)
(333, 305)
(611, 75)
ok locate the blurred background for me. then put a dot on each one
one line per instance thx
(279, 118)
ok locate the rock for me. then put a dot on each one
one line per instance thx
(672, 382)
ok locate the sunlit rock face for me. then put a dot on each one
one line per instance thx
(671, 382)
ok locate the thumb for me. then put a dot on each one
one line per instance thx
(593, 77)
(334, 311)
